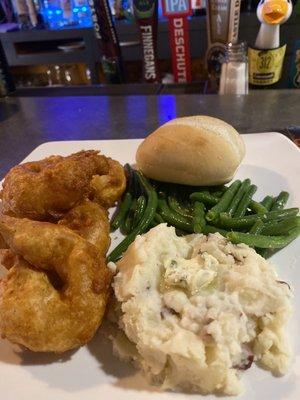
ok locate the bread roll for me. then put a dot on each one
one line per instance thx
(197, 150)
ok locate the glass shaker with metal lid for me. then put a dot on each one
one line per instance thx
(234, 71)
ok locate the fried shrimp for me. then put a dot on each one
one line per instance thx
(54, 295)
(3, 245)
(47, 189)
(89, 220)
(107, 189)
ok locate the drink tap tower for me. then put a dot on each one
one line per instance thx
(266, 58)
(223, 17)
(177, 12)
(108, 42)
(145, 12)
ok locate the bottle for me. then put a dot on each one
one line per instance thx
(23, 15)
(267, 56)
(41, 23)
(108, 42)
(67, 13)
(82, 13)
(223, 18)
(32, 11)
(53, 13)
(234, 70)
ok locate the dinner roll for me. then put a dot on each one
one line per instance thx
(196, 150)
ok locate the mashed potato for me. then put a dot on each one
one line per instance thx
(196, 310)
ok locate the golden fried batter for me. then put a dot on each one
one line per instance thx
(54, 295)
(46, 189)
(3, 245)
(7, 258)
(89, 220)
(107, 189)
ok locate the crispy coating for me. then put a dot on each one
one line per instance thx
(54, 295)
(90, 221)
(46, 189)
(3, 245)
(107, 189)
(7, 258)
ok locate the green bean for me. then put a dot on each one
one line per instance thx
(257, 208)
(218, 193)
(270, 226)
(158, 218)
(245, 200)
(280, 227)
(196, 188)
(280, 201)
(172, 218)
(205, 197)
(126, 225)
(263, 241)
(280, 214)
(175, 205)
(198, 217)
(217, 189)
(153, 224)
(213, 229)
(227, 222)
(130, 179)
(224, 202)
(145, 221)
(139, 210)
(122, 211)
(257, 227)
(267, 202)
(265, 253)
(238, 196)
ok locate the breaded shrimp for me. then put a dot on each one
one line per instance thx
(89, 220)
(54, 295)
(47, 189)
(107, 189)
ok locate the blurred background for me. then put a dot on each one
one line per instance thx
(52, 43)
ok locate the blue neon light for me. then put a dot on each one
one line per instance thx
(56, 19)
(166, 108)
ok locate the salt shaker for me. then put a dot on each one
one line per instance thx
(234, 71)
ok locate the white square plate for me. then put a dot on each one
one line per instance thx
(272, 162)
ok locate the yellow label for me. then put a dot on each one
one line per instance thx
(265, 66)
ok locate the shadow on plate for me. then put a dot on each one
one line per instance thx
(101, 348)
(18, 355)
(29, 358)
(124, 374)
(91, 366)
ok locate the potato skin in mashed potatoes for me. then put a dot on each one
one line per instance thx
(195, 310)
